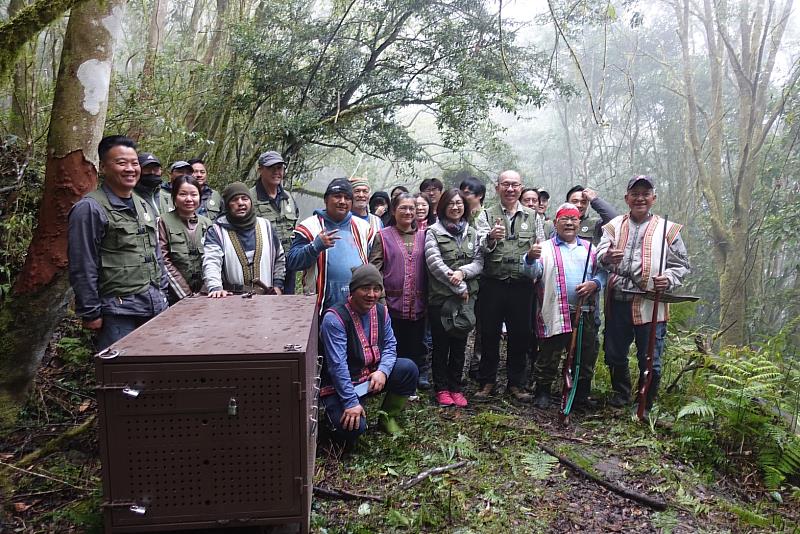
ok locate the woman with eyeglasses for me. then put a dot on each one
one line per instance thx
(398, 252)
(455, 260)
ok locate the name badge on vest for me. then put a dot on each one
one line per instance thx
(288, 207)
(469, 245)
(147, 216)
(524, 226)
(584, 228)
(211, 202)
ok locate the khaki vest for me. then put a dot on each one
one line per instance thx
(128, 262)
(454, 256)
(503, 262)
(213, 205)
(283, 219)
(185, 252)
(165, 203)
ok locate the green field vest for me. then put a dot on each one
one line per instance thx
(454, 256)
(283, 219)
(165, 203)
(213, 205)
(503, 262)
(128, 262)
(586, 229)
(186, 253)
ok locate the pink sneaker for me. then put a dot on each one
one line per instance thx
(444, 398)
(458, 399)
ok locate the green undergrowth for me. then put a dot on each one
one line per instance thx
(507, 482)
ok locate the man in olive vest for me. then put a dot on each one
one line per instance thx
(506, 291)
(274, 203)
(210, 199)
(115, 264)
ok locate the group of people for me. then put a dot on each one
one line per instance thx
(401, 279)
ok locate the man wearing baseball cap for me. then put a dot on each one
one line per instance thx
(360, 359)
(149, 185)
(631, 250)
(274, 203)
(329, 244)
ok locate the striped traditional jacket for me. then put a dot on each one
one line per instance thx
(638, 275)
(314, 280)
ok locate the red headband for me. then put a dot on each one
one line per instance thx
(568, 211)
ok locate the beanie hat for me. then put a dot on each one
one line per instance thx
(339, 186)
(236, 188)
(365, 275)
(566, 209)
(357, 181)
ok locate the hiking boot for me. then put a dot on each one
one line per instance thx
(424, 381)
(519, 394)
(392, 406)
(621, 384)
(542, 400)
(444, 398)
(484, 393)
(459, 399)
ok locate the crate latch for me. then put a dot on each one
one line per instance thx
(134, 507)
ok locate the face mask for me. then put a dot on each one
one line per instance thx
(150, 181)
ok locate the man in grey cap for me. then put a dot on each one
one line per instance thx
(274, 203)
(149, 185)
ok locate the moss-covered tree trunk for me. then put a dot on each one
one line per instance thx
(80, 102)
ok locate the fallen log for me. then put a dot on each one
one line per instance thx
(410, 483)
(640, 498)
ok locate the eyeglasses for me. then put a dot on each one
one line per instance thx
(455, 204)
(636, 194)
(510, 185)
(568, 219)
(430, 190)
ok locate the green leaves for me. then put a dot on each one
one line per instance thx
(538, 464)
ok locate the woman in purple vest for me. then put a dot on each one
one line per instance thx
(399, 253)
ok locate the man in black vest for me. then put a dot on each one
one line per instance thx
(115, 264)
(361, 359)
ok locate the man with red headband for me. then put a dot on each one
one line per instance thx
(631, 250)
(559, 266)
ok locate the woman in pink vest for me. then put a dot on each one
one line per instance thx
(399, 253)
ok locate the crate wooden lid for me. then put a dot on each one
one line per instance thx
(200, 326)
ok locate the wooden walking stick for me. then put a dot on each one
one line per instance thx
(647, 379)
(570, 386)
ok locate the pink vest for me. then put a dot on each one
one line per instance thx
(404, 274)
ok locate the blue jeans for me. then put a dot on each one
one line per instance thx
(115, 327)
(620, 332)
(402, 381)
(289, 282)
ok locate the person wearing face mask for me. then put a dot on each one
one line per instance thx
(329, 244)
(149, 185)
(559, 264)
(180, 235)
(242, 252)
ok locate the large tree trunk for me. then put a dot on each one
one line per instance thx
(760, 32)
(80, 102)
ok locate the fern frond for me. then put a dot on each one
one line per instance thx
(697, 407)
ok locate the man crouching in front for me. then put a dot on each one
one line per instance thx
(361, 359)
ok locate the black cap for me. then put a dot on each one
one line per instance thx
(543, 193)
(641, 178)
(339, 185)
(268, 159)
(180, 165)
(147, 158)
